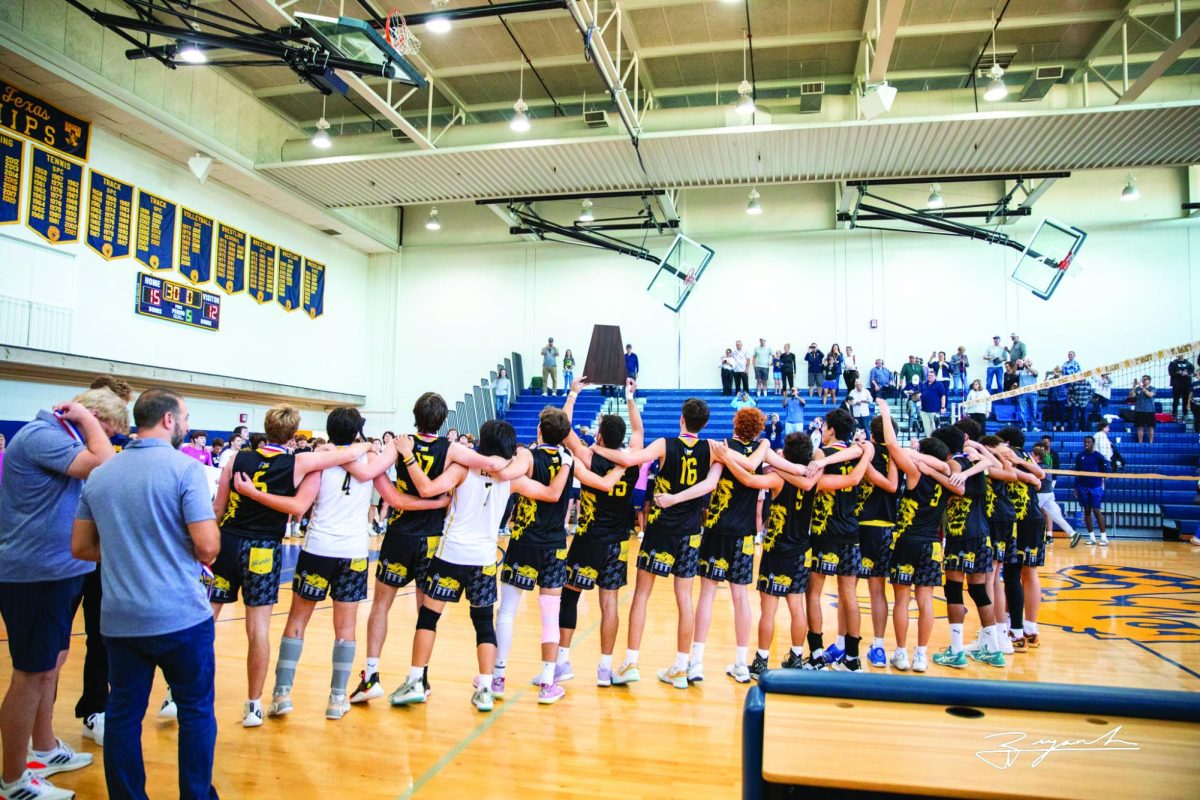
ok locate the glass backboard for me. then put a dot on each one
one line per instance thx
(679, 272)
(1049, 255)
(356, 40)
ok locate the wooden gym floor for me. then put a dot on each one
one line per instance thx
(1125, 615)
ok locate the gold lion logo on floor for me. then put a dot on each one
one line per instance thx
(1109, 602)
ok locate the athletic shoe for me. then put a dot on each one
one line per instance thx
(975, 645)
(814, 662)
(695, 672)
(877, 656)
(1103, 540)
(93, 728)
(1075, 536)
(900, 659)
(793, 661)
(919, 662)
(338, 705)
(990, 657)
(1006, 645)
(848, 664)
(251, 717)
(739, 672)
(1018, 645)
(498, 686)
(1031, 639)
(604, 676)
(949, 658)
(1092, 539)
(1194, 540)
(34, 787)
(281, 703)
(368, 688)
(549, 693)
(61, 759)
(626, 673)
(409, 693)
(562, 672)
(759, 666)
(168, 709)
(482, 699)
(677, 678)
(834, 654)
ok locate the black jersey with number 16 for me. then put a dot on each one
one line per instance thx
(685, 464)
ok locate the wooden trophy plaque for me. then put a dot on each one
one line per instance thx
(605, 362)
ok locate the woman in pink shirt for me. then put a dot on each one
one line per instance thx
(197, 448)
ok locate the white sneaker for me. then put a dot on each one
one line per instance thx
(338, 705)
(1091, 539)
(168, 709)
(62, 759)
(1103, 540)
(695, 672)
(900, 659)
(31, 786)
(93, 728)
(975, 645)
(920, 663)
(281, 702)
(251, 717)
(739, 672)
(1006, 646)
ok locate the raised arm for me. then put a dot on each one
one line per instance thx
(99, 448)
(295, 505)
(901, 455)
(637, 433)
(573, 443)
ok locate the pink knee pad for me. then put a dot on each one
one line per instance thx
(549, 604)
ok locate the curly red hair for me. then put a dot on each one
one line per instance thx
(748, 423)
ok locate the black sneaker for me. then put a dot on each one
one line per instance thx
(848, 664)
(368, 688)
(817, 662)
(793, 661)
(758, 666)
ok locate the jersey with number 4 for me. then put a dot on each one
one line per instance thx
(685, 464)
(338, 528)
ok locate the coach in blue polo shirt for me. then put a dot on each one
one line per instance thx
(40, 583)
(148, 517)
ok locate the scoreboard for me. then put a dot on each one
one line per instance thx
(178, 303)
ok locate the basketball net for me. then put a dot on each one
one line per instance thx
(397, 34)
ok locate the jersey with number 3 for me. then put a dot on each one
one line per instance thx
(338, 528)
(685, 464)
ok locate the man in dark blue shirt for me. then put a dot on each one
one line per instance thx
(933, 402)
(1090, 490)
(814, 358)
(631, 363)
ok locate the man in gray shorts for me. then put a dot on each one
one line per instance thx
(550, 367)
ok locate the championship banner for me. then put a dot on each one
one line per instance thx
(260, 270)
(312, 296)
(231, 259)
(12, 153)
(195, 246)
(45, 124)
(110, 210)
(288, 278)
(155, 231)
(55, 184)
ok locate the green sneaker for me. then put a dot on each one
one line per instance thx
(626, 673)
(984, 656)
(410, 692)
(948, 658)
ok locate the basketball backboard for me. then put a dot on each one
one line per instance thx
(679, 272)
(1045, 260)
(356, 40)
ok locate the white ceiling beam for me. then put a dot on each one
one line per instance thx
(863, 59)
(1102, 41)
(635, 48)
(885, 38)
(1161, 64)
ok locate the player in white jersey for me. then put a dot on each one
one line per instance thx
(466, 556)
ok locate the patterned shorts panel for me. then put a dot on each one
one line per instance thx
(529, 566)
(664, 554)
(726, 558)
(1004, 540)
(597, 564)
(343, 579)
(969, 556)
(836, 559)
(404, 559)
(875, 544)
(916, 563)
(447, 582)
(783, 574)
(253, 565)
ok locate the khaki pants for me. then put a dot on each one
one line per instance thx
(550, 379)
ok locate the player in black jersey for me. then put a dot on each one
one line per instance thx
(878, 495)
(672, 539)
(599, 553)
(1022, 586)
(536, 555)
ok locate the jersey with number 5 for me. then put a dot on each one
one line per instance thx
(271, 472)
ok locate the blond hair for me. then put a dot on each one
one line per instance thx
(281, 423)
(106, 407)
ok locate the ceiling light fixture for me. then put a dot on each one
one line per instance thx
(935, 197)
(996, 90)
(585, 214)
(520, 120)
(439, 24)
(753, 206)
(433, 223)
(200, 165)
(745, 101)
(1130, 192)
(321, 137)
(189, 53)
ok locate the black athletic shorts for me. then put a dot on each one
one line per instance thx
(527, 566)
(37, 618)
(404, 559)
(1031, 542)
(967, 555)
(252, 565)
(783, 574)
(875, 546)
(916, 563)
(836, 559)
(591, 564)
(664, 554)
(343, 579)
(726, 558)
(447, 582)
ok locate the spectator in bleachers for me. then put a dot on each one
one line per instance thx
(911, 375)
(1090, 490)
(1018, 351)
(214, 449)
(829, 379)
(777, 372)
(1103, 445)
(773, 432)
(941, 368)
(741, 363)
(959, 363)
(743, 400)
(1101, 391)
(1010, 375)
(197, 448)
(762, 367)
(631, 363)
(787, 367)
(1027, 402)
(568, 368)
(1055, 459)
(1181, 371)
(1079, 400)
(793, 411)
(849, 368)
(933, 402)
(549, 367)
(881, 379)
(502, 388)
(979, 412)
(839, 360)
(994, 357)
(860, 406)
(727, 372)
(818, 432)
(1071, 366)
(1056, 414)
(815, 359)
(1142, 396)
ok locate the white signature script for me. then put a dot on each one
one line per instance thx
(1010, 746)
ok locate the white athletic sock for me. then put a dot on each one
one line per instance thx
(1018, 633)
(255, 705)
(681, 662)
(797, 650)
(841, 642)
(564, 655)
(989, 639)
(739, 657)
(877, 642)
(631, 656)
(606, 661)
(697, 654)
(765, 653)
(1002, 628)
(900, 650)
(1031, 627)
(416, 673)
(485, 680)
(547, 675)
(372, 666)
(919, 651)
(956, 633)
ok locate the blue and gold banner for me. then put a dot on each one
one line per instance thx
(110, 212)
(231, 259)
(155, 231)
(260, 270)
(12, 154)
(35, 119)
(195, 246)
(312, 295)
(55, 184)
(288, 278)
